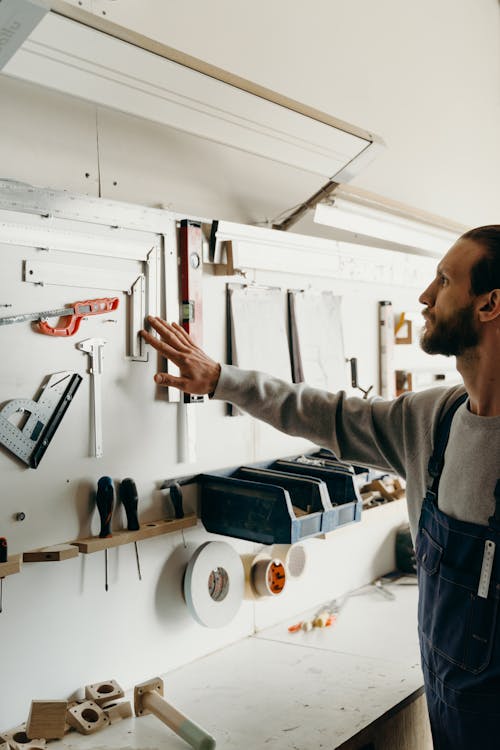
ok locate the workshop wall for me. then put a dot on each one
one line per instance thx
(60, 629)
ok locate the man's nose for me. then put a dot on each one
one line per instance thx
(427, 297)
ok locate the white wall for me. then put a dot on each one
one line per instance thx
(396, 68)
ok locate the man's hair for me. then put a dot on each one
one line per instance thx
(485, 274)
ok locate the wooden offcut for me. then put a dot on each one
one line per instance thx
(118, 711)
(104, 692)
(87, 717)
(47, 719)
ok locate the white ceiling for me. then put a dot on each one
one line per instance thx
(425, 76)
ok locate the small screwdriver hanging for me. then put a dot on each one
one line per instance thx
(105, 499)
(3, 559)
(130, 501)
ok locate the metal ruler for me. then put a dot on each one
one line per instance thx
(486, 569)
(30, 442)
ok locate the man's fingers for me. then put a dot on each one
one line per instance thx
(167, 333)
(163, 378)
(161, 346)
(182, 333)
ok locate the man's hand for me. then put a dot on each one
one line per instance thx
(198, 373)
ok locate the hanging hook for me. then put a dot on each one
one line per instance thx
(354, 377)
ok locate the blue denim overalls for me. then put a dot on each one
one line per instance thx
(459, 587)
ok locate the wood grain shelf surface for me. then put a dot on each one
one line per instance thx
(13, 565)
(147, 531)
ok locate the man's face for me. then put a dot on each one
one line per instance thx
(451, 325)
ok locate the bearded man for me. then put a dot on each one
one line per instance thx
(446, 443)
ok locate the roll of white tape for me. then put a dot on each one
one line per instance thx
(214, 584)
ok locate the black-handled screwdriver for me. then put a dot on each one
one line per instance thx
(177, 499)
(105, 499)
(3, 559)
(130, 501)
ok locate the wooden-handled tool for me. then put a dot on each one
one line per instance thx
(148, 698)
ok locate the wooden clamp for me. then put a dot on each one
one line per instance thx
(148, 698)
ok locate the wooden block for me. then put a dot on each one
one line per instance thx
(13, 565)
(87, 717)
(47, 719)
(147, 531)
(150, 686)
(118, 711)
(17, 738)
(51, 554)
(67, 725)
(104, 692)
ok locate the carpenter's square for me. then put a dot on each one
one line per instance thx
(73, 315)
(94, 348)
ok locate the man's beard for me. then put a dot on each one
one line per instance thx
(451, 337)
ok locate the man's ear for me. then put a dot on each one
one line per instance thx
(490, 306)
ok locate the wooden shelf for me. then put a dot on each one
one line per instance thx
(149, 530)
(54, 553)
(13, 565)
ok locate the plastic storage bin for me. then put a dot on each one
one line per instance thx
(300, 498)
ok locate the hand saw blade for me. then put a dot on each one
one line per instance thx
(30, 442)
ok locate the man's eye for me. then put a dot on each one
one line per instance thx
(443, 280)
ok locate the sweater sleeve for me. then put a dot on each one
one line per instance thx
(379, 433)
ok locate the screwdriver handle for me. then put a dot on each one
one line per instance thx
(3, 549)
(105, 499)
(177, 499)
(130, 501)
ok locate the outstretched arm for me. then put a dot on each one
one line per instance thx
(197, 372)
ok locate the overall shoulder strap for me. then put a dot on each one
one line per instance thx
(436, 461)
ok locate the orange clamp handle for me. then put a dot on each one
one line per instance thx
(81, 310)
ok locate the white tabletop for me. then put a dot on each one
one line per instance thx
(290, 691)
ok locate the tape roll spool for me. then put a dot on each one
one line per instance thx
(268, 577)
(294, 556)
(214, 584)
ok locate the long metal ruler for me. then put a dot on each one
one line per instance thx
(30, 442)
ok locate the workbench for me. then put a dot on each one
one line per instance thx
(354, 686)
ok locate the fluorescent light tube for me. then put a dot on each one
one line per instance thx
(361, 224)
(18, 18)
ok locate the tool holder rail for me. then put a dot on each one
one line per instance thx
(12, 566)
(146, 531)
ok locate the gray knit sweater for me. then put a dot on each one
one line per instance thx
(396, 436)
